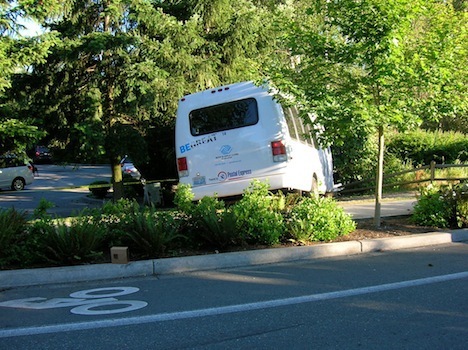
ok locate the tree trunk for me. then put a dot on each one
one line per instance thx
(117, 181)
(379, 178)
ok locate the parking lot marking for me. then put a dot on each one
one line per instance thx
(129, 321)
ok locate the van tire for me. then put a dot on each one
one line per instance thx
(18, 184)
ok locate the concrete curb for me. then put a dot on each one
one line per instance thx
(41, 276)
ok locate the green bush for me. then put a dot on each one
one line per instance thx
(153, 233)
(421, 147)
(183, 199)
(318, 219)
(445, 206)
(12, 230)
(75, 242)
(461, 209)
(258, 215)
(41, 210)
(209, 223)
(215, 224)
(116, 218)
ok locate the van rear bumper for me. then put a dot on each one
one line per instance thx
(237, 187)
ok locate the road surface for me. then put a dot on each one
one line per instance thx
(407, 299)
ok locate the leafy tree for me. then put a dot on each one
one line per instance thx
(350, 63)
(17, 53)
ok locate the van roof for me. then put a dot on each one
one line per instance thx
(222, 94)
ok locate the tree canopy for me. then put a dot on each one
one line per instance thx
(104, 78)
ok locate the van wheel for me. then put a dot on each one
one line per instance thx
(18, 184)
(314, 191)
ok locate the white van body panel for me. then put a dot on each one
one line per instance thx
(224, 163)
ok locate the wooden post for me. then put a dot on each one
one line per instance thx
(433, 167)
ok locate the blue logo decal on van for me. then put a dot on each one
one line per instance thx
(225, 175)
(226, 149)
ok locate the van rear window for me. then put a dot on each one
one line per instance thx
(225, 116)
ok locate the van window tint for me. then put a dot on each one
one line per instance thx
(225, 116)
(289, 114)
(297, 128)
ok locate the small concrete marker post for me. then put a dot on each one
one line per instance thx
(119, 255)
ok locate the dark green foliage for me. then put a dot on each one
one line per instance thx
(153, 233)
(216, 225)
(461, 209)
(317, 219)
(41, 210)
(116, 217)
(210, 223)
(443, 207)
(76, 242)
(421, 147)
(12, 230)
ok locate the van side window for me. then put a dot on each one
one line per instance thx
(289, 114)
(297, 128)
(226, 116)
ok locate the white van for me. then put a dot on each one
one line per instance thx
(228, 136)
(15, 173)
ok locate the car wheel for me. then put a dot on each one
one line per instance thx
(18, 184)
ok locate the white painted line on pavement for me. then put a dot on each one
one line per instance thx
(130, 321)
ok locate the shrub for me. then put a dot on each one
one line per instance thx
(318, 219)
(432, 208)
(12, 230)
(41, 209)
(100, 188)
(76, 242)
(208, 220)
(215, 224)
(153, 233)
(421, 147)
(461, 209)
(116, 218)
(183, 199)
(258, 215)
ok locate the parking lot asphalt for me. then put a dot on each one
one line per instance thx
(155, 267)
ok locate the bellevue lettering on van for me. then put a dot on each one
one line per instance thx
(204, 140)
(185, 148)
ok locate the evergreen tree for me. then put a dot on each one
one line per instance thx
(115, 76)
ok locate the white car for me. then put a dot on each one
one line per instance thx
(14, 173)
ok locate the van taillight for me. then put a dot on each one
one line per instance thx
(182, 166)
(278, 150)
